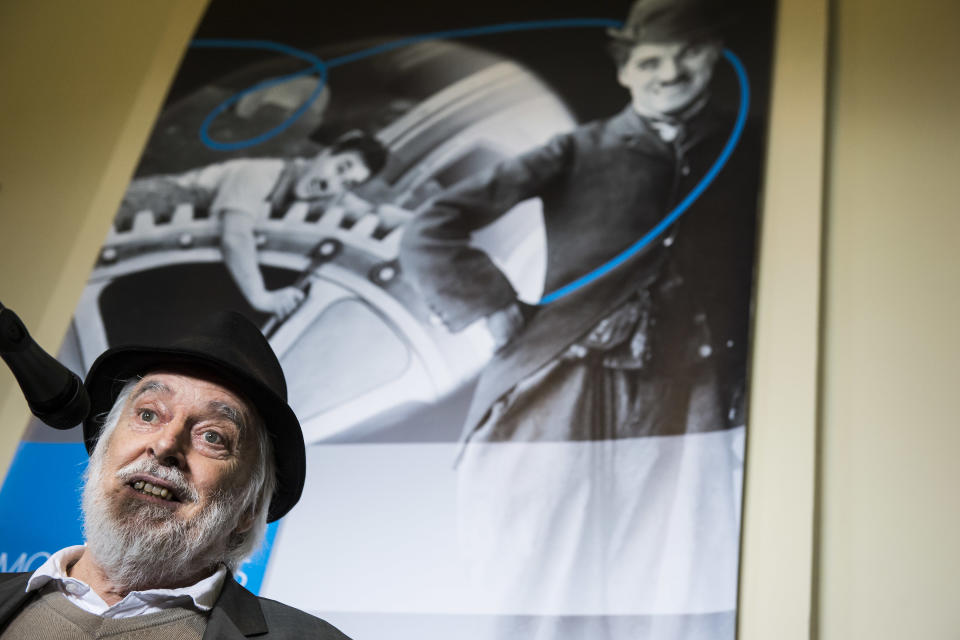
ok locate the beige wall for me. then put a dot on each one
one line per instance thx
(80, 85)
(889, 553)
(778, 532)
(82, 82)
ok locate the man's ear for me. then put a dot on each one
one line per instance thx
(622, 76)
(245, 523)
(716, 49)
(247, 518)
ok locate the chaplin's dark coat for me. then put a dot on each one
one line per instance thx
(603, 186)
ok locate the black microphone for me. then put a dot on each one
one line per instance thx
(54, 394)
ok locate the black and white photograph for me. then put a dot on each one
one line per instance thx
(505, 255)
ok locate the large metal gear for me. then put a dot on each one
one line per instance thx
(362, 349)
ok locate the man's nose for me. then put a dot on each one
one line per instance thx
(169, 445)
(669, 70)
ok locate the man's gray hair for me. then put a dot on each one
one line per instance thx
(255, 495)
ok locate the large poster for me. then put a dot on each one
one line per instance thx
(505, 254)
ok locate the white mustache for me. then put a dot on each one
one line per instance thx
(185, 491)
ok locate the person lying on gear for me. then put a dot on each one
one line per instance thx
(237, 191)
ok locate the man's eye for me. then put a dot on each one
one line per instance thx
(649, 64)
(212, 437)
(147, 415)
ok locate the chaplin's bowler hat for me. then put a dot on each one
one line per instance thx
(672, 20)
(236, 353)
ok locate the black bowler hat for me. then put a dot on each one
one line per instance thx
(234, 350)
(672, 20)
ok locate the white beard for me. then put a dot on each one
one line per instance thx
(140, 545)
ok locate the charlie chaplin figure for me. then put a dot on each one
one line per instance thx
(601, 445)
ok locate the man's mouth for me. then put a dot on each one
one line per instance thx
(674, 87)
(149, 489)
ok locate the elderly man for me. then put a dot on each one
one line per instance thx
(193, 450)
(238, 191)
(575, 495)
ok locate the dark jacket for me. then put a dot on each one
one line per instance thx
(236, 615)
(603, 186)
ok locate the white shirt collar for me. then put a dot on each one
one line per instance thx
(201, 595)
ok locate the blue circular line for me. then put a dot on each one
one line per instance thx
(684, 204)
(267, 45)
(475, 31)
(320, 67)
(316, 66)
